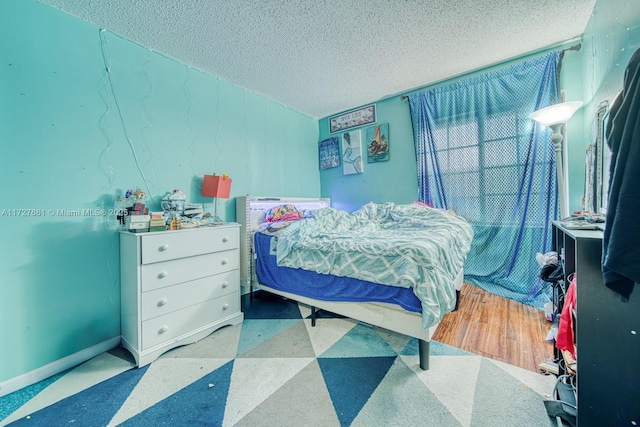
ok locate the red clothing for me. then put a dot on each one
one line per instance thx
(565, 339)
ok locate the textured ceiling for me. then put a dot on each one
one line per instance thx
(321, 57)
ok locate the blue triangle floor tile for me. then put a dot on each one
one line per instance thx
(411, 349)
(351, 381)
(195, 405)
(95, 406)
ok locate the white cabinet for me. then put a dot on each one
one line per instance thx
(177, 287)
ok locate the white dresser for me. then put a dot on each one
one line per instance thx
(177, 287)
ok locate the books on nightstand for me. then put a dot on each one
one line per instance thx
(157, 222)
(137, 223)
(192, 210)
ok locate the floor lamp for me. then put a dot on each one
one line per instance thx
(554, 117)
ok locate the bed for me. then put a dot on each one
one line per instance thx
(396, 308)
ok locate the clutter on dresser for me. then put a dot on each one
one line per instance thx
(130, 203)
(179, 214)
(132, 213)
(157, 222)
(193, 210)
(175, 224)
(175, 214)
(173, 203)
(137, 223)
(584, 220)
(138, 218)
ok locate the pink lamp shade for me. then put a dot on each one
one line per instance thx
(216, 186)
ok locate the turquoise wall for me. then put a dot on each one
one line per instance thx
(591, 75)
(575, 140)
(74, 135)
(610, 38)
(395, 180)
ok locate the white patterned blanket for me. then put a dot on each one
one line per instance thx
(396, 245)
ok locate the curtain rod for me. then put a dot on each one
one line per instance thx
(575, 47)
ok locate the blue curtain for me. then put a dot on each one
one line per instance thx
(481, 156)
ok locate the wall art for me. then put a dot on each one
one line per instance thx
(351, 153)
(360, 117)
(377, 140)
(329, 153)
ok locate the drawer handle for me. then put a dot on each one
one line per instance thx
(225, 239)
(225, 284)
(163, 247)
(225, 261)
(162, 302)
(163, 330)
(224, 307)
(162, 275)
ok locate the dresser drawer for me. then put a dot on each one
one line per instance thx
(164, 328)
(181, 244)
(172, 298)
(161, 274)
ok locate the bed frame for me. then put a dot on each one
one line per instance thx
(387, 316)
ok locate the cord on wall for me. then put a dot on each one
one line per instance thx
(185, 90)
(150, 123)
(103, 126)
(215, 138)
(119, 110)
(246, 137)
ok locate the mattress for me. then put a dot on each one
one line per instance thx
(322, 286)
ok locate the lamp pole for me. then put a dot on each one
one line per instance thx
(555, 116)
(557, 138)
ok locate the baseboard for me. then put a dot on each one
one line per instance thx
(60, 365)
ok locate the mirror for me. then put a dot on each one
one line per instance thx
(598, 158)
(603, 160)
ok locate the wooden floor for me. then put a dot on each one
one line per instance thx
(497, 328)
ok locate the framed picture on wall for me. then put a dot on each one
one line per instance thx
(329, 153)
(377, 140)
(351, 153)
(352, 119)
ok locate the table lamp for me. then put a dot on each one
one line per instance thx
(217, 187)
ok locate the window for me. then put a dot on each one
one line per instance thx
(484, 163)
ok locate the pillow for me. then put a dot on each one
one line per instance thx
(283, 213)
